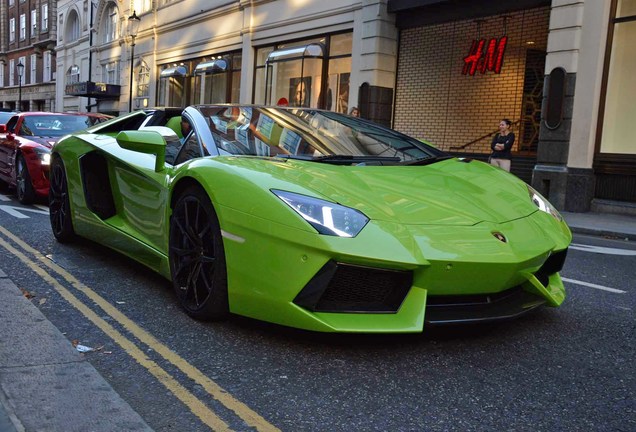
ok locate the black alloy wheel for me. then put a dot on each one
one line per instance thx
(24, 187)
(197, 257)
(59, 204)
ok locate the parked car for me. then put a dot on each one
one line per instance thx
(309, 218)
(25, 145)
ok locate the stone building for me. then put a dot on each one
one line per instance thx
(441, 70)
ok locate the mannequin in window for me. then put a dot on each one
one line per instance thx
(300, 95)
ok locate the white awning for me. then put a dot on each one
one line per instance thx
(212, 67)
(298, 52)
(176, 71)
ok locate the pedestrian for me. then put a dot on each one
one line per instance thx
(502, 145)
(354, 112)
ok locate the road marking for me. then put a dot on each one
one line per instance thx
(4, 198)
(603, 250)
(192, 402)
(249, 416)
(591, 285)
(17, 211)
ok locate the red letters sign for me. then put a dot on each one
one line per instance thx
(488, 59)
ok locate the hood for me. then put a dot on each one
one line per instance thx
(44, 141)
(450, 192)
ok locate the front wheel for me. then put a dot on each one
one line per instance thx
(197, 257)
(59, 204)
(24, 186)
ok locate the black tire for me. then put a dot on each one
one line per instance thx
(197, 257)
(59, 204)
(23, 185)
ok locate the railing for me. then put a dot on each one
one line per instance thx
(488, 135)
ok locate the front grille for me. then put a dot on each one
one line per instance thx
(347, 288)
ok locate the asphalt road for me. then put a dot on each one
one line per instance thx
(565, 369)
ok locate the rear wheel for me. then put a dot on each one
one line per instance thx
(59, 204)
(24, 186)
(197, 257)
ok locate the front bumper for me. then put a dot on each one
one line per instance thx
(443, 267)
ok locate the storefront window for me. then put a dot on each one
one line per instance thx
(626, 8)
(620, 111)
(304, 73)
(218, 80)
(172, 86)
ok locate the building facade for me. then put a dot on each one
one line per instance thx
(446, 71)
(27, 56)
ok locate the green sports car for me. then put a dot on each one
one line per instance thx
(309, 218)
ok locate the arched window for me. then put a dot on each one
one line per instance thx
(110, 24)
(72, 27)
(73, 74)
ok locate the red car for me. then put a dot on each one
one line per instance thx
(25, 147)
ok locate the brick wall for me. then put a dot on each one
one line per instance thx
(436, 102)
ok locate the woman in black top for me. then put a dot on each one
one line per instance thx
(501, 146)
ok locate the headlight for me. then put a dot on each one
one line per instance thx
(543, 204)
(43, 154)
(326, 217)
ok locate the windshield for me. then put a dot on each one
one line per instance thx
(308, 134)
(55, 125)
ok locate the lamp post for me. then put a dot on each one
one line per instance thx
(20, 68)
(133, 27)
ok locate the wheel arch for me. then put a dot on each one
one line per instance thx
(183, 184)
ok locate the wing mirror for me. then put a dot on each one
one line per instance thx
(147, 142)
(3, 128)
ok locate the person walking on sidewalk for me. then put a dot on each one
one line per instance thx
(502, 145)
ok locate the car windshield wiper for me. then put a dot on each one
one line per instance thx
(345, 159)
(428, 160)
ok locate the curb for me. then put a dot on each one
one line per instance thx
(47, 385)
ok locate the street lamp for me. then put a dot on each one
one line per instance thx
(20, 68)
(133, 27)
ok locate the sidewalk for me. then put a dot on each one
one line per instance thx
(46, 385)
(602, 224)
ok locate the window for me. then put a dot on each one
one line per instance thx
(618, 116)
(143, 79)
(293, 73)
(110, 24)
(73, 75)
(45, 17)
(22, 26)
(46, 66)
(112, 73)
(172, 85)
(22, 79)
(2, 75)
(34, 23)
(12, 72)
(218, 80)
(34, 68)
(12, 30)
(72, 27)
(143, 6)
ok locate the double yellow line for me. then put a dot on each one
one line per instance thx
(198, 408)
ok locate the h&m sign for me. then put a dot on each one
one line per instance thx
(485, 56)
